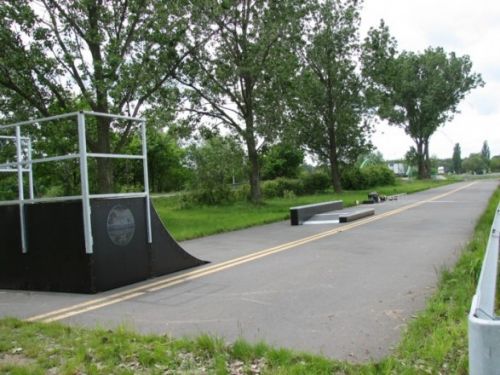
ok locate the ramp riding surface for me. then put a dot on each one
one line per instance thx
(342, 290)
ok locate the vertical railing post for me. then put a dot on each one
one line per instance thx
(146, 179)
(20, 187)
(30, 170)
(84, 178)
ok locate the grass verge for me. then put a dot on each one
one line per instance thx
(435, 342)
(188, 223)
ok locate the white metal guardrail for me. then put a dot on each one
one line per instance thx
(9, 167)
(484, 324)
(20, 166)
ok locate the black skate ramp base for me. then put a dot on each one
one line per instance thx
(56, 260)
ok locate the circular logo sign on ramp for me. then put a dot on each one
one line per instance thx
(120, 225)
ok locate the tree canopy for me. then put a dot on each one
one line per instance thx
(331, 108)
(457, 159)
(104, 55)
(485, 154)
(416, 91)
(279, 77)
(232, 79)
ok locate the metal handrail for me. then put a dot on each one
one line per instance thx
(82, 155)
(73, 198)
(484, 324)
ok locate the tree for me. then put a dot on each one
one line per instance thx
(105, 55)
(215, 162)
(474, 164)
(495, 163)
(416, 91)
(331, 105)
(457, 159)
(167, 171)
(485, 154)
(229, 81)
(281, 160)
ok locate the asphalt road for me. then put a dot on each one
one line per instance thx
(342, 290)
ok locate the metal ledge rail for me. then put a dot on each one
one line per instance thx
(484, 324)
(21, 166)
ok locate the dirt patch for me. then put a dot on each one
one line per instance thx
(17, 359)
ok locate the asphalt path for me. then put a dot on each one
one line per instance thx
(342, 290)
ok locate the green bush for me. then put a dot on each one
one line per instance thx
(288, 194)
(378, 175)
(316, 182)
(269, 189)
(242, 192)
(54, 191)
(209, 196)
(131, 188)
(353, 179)
(292, 185)
(370, 176)
(8, 187)
(277, 188)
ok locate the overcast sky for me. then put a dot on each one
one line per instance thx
(465, 27)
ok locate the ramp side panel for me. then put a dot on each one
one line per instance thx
(121, 254)
(12, 265)
(167, 255)
(56, 258)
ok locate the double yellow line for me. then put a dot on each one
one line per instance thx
(163, 283)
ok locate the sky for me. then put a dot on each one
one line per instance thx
(467, 28)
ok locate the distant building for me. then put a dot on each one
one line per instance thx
(440, 170)
(398, 168)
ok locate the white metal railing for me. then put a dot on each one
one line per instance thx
(484, 324)
(21, 166)
(8, 167)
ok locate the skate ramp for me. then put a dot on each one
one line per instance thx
(56, 259)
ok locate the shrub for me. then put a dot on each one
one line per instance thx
(316, 182)
(370, 176)
(276, 188)
(269, 189)
(294, 185)
(381, 175)
(209, 196)
(131, 188)
(289, 194)
(54, 191)
(242, 192)
(353, 179)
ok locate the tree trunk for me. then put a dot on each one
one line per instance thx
(332, 138)
(104, 165)
(249, 135)
(253, 158)
(334, 170)
(428, 166)
(421, 163)
(333, 158)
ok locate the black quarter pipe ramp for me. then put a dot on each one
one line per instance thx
(56, 259)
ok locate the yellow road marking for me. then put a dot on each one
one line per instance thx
(169, 281)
